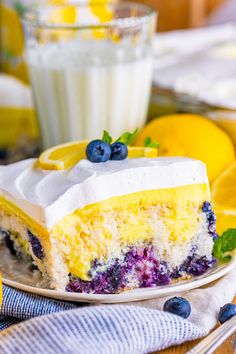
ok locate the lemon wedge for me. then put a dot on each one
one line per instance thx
(62, 157)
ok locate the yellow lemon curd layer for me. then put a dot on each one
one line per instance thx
(102, 230)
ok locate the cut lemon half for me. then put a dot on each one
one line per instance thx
(224, 190)
(225, 220)
(64, 156)
(190, 130)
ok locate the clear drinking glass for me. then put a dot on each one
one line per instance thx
(90, 68)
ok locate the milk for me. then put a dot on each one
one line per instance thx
(81, 90)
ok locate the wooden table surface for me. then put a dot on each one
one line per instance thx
(228, 347)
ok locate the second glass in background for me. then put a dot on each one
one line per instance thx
(90, 68)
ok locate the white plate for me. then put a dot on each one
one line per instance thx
(17, 275)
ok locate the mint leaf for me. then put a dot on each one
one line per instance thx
(106, 137)
(124, 138)
(225, 243)
(152, 144)
(128, 138)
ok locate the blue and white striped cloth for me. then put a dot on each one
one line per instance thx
(31, 324)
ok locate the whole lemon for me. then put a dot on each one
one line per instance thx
(192, 136)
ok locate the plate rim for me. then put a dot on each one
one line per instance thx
(130, 295)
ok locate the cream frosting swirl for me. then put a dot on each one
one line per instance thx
(47, 196)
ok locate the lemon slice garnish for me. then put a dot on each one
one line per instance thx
(65, 156)
(135, 152)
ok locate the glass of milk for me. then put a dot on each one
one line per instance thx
(90, 68)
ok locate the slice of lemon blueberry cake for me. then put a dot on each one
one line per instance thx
(110, 226)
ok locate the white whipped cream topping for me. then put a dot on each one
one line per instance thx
(47, 196)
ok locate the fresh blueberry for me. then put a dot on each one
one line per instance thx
(226, 312)
(179, 306)
(36, 245)
(206, 207)
(98, 151)
(119, 151)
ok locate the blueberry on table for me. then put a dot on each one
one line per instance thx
(226, 312)
(178, 306)
(119, 151)
(98, 151)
